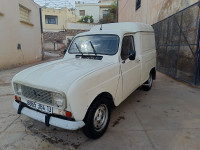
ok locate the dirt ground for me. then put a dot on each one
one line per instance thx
(165, 118)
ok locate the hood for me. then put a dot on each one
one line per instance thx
(58, 75)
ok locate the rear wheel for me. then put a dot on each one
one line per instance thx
(97, 119)
(148, 84)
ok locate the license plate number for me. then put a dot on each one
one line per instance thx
(38, 106)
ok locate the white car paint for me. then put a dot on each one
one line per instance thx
(82, 80)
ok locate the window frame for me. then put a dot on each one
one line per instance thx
(117, 49)
(133, 46)
(81, 13)
(47, 17)
(21, 11)
(105, 13)
(22, 19)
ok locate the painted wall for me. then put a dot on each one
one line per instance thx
(14, 32)
(64, 15)
(80, 26)
(90, 9)
(93, 9)
(151, 11)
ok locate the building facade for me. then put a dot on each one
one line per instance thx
(97, 10)
(54, 20)
(20, 29)
(177, 33)
(149, 11)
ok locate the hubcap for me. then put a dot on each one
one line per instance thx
(100, 117)
(149, 81)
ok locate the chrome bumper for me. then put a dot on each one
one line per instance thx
(54, 121)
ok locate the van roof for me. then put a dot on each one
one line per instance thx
(127, 26)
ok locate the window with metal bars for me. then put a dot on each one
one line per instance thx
(49, 19)
(82, 12)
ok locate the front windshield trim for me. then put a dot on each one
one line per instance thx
(97, 52)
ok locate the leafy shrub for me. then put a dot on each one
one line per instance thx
(87, 19)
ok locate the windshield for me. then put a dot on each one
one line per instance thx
(95, 44)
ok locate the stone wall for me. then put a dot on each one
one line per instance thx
(80, 25)
(151, 11)
(58, 40)
(59, 36)
(170, 7)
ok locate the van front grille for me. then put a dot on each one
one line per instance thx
(37, 94)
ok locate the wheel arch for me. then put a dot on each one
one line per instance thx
(153, 72)
(106, 95)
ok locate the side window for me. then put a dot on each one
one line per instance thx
(138, 4)
(127, 46)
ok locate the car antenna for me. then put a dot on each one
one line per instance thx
(101, 27)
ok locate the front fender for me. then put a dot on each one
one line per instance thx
(82, 93)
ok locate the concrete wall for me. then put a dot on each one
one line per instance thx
(151, 11)
(64, 15)
(80, 26)
(14, 32)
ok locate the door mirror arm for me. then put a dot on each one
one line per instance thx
(123, 62)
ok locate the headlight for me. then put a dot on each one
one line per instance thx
(18, 89)
(58, 99)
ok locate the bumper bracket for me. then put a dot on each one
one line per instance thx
(47, 118)
(21, 106)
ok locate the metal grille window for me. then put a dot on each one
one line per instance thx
(105, 13)
(138, 4)
(24, 14)
(51, 19)
(82, 12)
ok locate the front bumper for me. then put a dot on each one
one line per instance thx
(51, 120)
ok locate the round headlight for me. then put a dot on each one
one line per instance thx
(18, 89)
(59, 99)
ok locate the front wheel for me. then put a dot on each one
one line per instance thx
(97, 119)
(148, 84)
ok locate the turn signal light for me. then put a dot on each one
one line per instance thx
(68, 114)
(17, 98)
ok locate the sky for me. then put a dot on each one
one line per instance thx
(61, 3)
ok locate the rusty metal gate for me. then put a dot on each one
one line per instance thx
(177, 43)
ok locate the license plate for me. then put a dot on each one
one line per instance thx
(38, 106)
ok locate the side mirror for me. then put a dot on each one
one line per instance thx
(132, 55)
(65, 51)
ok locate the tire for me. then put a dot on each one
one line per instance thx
(148, 84)
(97, 118)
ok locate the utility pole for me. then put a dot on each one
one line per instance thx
(117, 1)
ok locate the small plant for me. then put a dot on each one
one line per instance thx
(91, 19)
(87, 19)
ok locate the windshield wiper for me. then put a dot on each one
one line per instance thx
(79, 49)
(93, 48)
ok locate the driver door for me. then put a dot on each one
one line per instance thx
(130, 69)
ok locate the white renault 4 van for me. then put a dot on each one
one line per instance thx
(100, 69)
